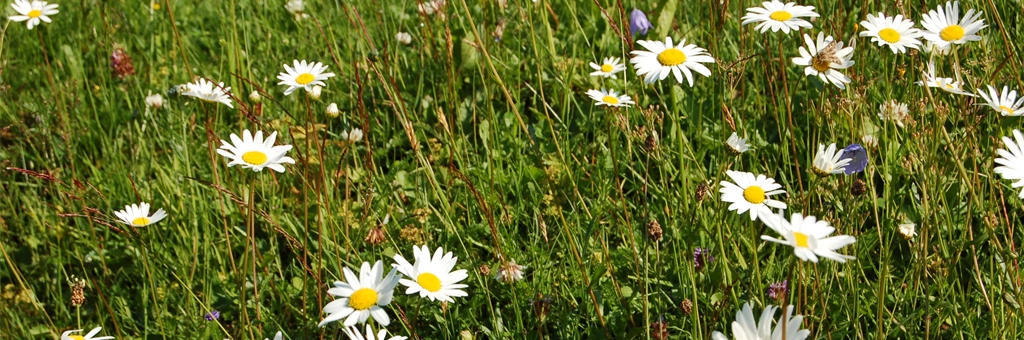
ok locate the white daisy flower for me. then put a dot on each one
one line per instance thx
(434, 278)
(509, 272)
(1011, 161)
(945, 27)
(353, 334)
(33, 12)
(908, 230)
(896, 32)
(745, 328)
(663, 58)
(609, 68)
(824, 59)
(894, 111)
(208, 92)
(89, 336)
(776, 16)
(936, 50)
(610, 98)
(353, 136)
(829, 161)
(303, 76)
(278, 336)
(1006, 103)
(363, 296)
(809, 237)
(751, 193)
(946, 84)
(297, 9)
(736, 144)
(403, 38)
(137, 215)
(253, 152)
(155, 101)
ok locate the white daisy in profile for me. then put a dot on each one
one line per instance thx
(1011, 161)
(936, 50)
(745, 328)
(946, 84)
(137, 215)
(776, 16)
(509, 272)
(664, 58)
(750, 193)
(207, 91)
(945, 27)
(809, 237)
(824, 59)
(610, 98)
(303, 76)
(33, 12)
(608, 68)
(432, 277)
(736, 144)
(829, 161)
(1006, 103)
(88, 336)
(894, 111)
(363, 296)
(253, 152)
(896, 32)
(353, 334)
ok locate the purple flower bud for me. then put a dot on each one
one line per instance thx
(214, 315)
(701, 258)
(777, 290)
(858, 158)
(638, 22)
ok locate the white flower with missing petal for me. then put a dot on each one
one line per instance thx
(208, 92)
(829, 161)
(946, 84)
(1006, 103)
(33, 12)
(809, 237)
(1011, 161)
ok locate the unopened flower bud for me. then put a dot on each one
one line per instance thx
(332, 110)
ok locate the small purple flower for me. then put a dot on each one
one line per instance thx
(858, 158)
(777, 290)
(214, 315)
(638, 22)
(702, 257)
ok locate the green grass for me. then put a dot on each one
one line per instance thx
(490, 148)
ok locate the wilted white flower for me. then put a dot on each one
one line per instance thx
(894, 111)
(908, 230)
(155, 101)
(403, 38)
(353, 136)
(332, 110)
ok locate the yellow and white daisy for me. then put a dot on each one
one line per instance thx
(809, 237)
(303, 76)
(353, 334)
(610, 98)
(894, 111)
(745, 328)
(825, 58)
(776, 16)
(363, 296)
(432, 277)
(664, 58)
(33, 12)
(253, 152)
(509, 272)
(750, 193)
(896, 32)
(608, 68)
(88, 336)
(946, 84)
(1011, 161)
(137, 215)
(207, 91)
(829, 161)
(908, 230)
(736, 144)
(1006, 103)
(945, 27)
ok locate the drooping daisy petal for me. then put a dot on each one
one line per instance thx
(209, 92)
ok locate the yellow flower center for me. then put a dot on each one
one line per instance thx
(607, 68)
(156, 6)
(254, 157)
(1007, 109)
(780, 16)
(429, 281)
(801, 239)
(35, 13)
(363, 299)
(754, 194)
(820, 64)
(140, 222)
(889, 35)
(610, 100)
(76, 337)
(304, 79)
(952, 33)
(671, 57)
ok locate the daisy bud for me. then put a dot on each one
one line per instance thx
(466, 335)
(255, 97)
(155, 101)
(315, 93)
(332, 110)
(403, 38)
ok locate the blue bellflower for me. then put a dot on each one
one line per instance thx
(858, 158)
(638, 22)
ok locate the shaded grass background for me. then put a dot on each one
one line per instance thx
(563, 187)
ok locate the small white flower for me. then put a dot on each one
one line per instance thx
(896, 32)
(750, 193)
(315, 93)
(255, 96)
(945, 27)
(297, 9)
(155, 101)
(33, 12)
(208, 92)
(809, 237)
(610, 98)
(736, 144)
(894, 111)
(608, 68)
(303, 76)
(253, 152)
(137, 215)
(430, 7)
(908, 230)
(776, 16)
(664, 58)
(90, 336)
(332, 110)
(353, 136)
(403, 38)
(509, 272)
(946, 84)
(432, 277)
(1006, 103)
(869, 141)
(1011, 161)
(362, 296)
(829, 161)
